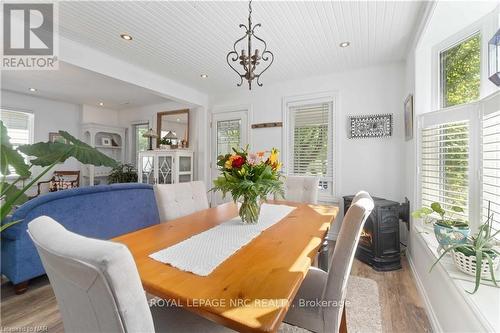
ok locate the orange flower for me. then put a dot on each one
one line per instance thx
(260, 154)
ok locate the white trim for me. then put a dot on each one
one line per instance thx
(332, 97)
(429, 310)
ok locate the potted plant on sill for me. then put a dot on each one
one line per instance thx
(479, 251)
(448, 229)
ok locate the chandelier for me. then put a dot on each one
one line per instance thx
(246, 59)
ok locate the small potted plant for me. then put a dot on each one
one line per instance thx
(479, 257)
(448, 229)
(123, 173)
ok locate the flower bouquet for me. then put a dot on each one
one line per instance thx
(249, 177)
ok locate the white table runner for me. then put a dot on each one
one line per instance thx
(202, 253)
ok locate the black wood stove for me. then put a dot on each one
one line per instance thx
(379, 244)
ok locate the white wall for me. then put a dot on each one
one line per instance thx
(99, 115)
(370, 164)
(49, 116)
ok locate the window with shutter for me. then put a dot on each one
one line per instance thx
(19, 127)
(311, 143)
(445, 166)
(491, 167)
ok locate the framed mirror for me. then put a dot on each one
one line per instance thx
(173, 128)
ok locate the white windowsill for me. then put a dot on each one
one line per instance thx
(485, 303)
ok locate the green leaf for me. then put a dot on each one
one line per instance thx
(479, 264)
(11, 191)
(435, 206)
(457, 209)
(9, 156)
(6, 225)
(47, 153)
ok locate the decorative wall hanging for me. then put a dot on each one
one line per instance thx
(267, 125)
(370, 126)
(408, 111)
(246, 59)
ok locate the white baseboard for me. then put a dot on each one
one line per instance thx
(431, 315)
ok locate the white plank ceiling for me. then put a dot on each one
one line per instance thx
(182, 40)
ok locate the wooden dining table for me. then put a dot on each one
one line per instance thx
(251, 290)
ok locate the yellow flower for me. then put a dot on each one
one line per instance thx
(274, 156)
(228, 164)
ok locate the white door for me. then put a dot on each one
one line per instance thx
(229, 129)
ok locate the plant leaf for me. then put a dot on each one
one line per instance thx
(492, 271)
(47, 153)
(87, 154)
(12, 191)
(9, 156)
(6, 225)
(479, 265)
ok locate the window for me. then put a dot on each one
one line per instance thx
(491, 167)
(461, 72)
(311, 143)
(140, 142)
(19, 128)
(228, 135)
(459, 162)
(445, 165)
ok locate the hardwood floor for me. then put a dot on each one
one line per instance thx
(402, 308)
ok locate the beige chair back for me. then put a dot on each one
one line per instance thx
(178, 200)
(341, 262)
(302, 189)
(96, 282)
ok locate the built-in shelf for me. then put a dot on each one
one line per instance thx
(94, 134)
(108, 147)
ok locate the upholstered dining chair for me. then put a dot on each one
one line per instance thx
(177, 200)
(98, 288)
(302, 189)
(330, 288)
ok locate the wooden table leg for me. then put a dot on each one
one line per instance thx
(343, 322)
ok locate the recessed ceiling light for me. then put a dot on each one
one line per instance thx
(178, 119)
(32, 89)
(101, 104)
(344, 44)
(204, 76)
(126, 36)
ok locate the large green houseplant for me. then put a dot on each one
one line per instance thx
(43, 154)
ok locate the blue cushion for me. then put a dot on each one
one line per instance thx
(103, 212)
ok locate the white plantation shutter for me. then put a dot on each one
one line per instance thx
(491, 167)
(19, 127)
(311, 141)
(444, 166)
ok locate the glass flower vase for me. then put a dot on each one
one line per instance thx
(250, 210)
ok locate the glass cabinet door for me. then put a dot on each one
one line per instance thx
(185, 169)
(147, 168)
(165, 165)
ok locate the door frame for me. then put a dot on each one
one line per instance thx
(244, 110)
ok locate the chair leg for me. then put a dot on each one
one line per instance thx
(323, 256)
(21, 287)
(343, 322)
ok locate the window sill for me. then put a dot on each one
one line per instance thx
(485, 303)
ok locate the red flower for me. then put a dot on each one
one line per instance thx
(237, 161)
